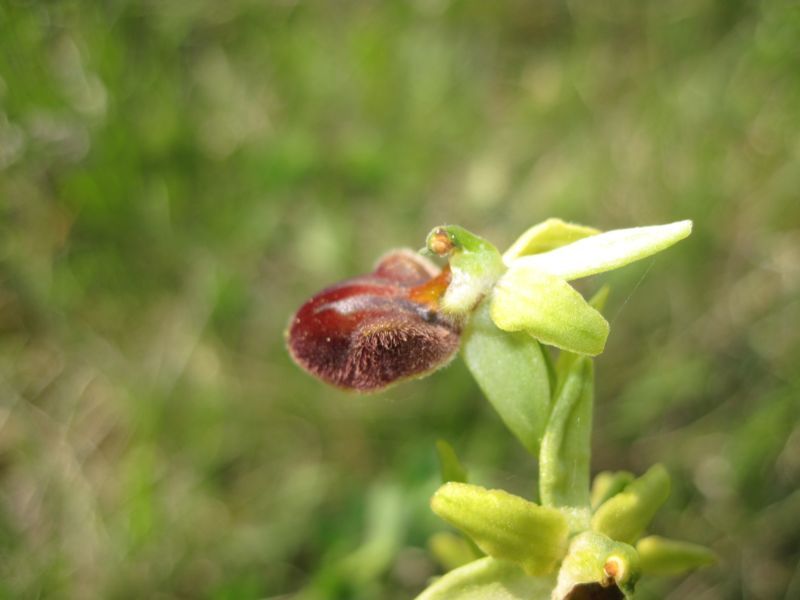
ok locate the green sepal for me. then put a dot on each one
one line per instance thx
(452, 551)
(607, 484)
(624, 517)
(511, 371)
(475, 265)
(450, 467)
(606, 251)
(662, 556)
(505, 526)
(594, 562)
(565, 454)
(489, 579)
(549, 309)
(546, 236)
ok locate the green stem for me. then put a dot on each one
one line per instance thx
(565, 453)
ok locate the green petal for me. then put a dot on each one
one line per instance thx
(564, 458)
(489, 579)
(505, 526)
(607, 251)
(625, 516)
(595, 562)
(526, 299)
(661, 556)
(511, 371)
(545, 236)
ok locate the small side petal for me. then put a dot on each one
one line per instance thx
(607, 251)
(546, 236)
(526, 299)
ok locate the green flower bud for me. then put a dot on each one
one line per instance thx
(661, 556)
(625, 516)
(607, 484)
(505, 526)
(597, 567)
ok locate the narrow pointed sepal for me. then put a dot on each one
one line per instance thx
(625, 517)
(505, 526)
(607, 251)
(549, 309)
(662, 556)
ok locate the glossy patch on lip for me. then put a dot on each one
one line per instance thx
(369, 332)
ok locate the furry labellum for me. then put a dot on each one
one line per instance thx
(369, 332)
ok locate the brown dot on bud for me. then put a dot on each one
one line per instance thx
(369, 332)
(611, 568)
(440, 243)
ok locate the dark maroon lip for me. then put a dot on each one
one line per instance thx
(369, 332)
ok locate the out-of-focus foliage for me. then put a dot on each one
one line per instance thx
(177, 177)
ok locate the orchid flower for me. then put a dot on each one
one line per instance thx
(403, 320)
(527, 287)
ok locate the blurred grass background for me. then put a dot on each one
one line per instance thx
(177, 177)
